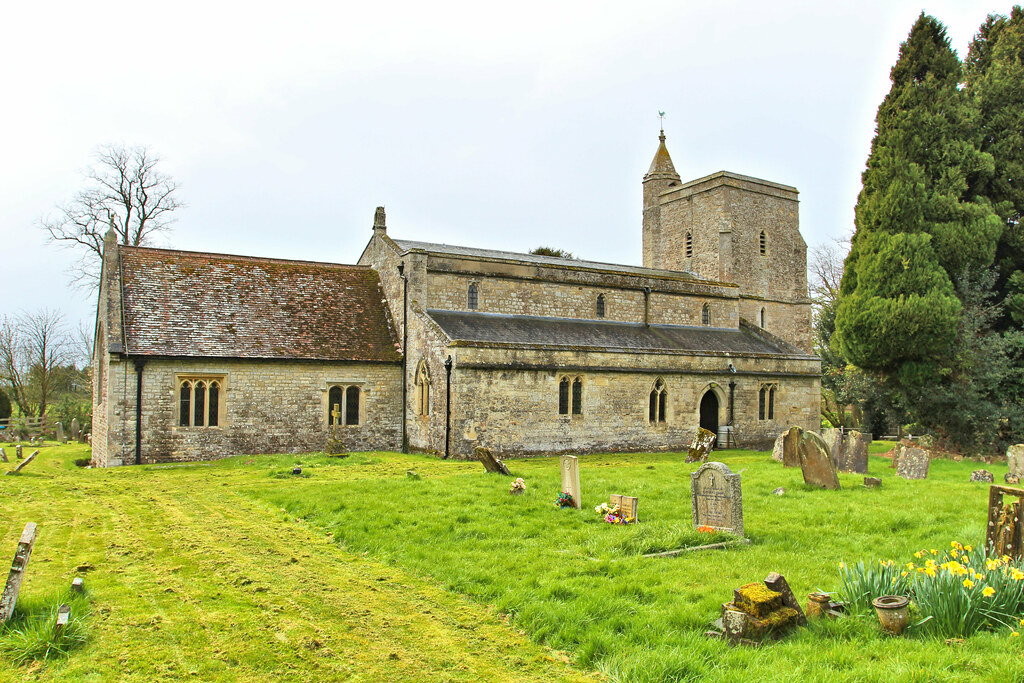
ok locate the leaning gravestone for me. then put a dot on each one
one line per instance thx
(1015, 459)
(777, 449)
(913, 464)
(60, 433)
(816, 462)
(853, 456)
(570, 467)
(790, 444)
(491, 464)
(703, 442)
(75, 429)
(9, 598)
(717, 498)
(3, 455)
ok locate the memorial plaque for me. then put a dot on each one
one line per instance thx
(913, 464)
(628, 505)
(717, 498)
(816, 462)
(570, 467)
(790, 441)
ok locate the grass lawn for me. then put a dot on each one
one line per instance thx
(239, 570)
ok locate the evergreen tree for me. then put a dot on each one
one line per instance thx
(995, 84)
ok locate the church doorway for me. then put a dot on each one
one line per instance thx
(709, 412)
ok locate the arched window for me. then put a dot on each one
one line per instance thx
(689, 245)
(335, 400)
(184, 407)
(761, 401)
(563, 396)
(422, 389)
(199, 405)
(577, 396)
(771, 403)
(766, 402)
(600, 305)
(199, 401)
(763, 317)
(214, 404)
(658, 402)
(352, 406)
(473, 298)
(705, 315)
(764, 243)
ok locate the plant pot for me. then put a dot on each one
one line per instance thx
(817, 604)
(892, 612)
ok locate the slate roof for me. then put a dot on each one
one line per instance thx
(520, 330)
(189, 304)
(451, 250)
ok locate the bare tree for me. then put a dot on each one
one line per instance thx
(33, 346)
(826, 271)
(124, 190)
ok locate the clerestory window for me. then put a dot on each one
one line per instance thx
(600, 305)
(473, 297)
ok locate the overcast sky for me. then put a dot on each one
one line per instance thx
(287, 123)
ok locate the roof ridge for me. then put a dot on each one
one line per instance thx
(243, 257)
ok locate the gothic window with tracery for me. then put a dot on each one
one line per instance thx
(422, 389)
(199, 401)
(658, 402)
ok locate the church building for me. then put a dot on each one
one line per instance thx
(442, 349)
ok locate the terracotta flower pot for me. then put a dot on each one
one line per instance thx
(892, 612)
(817, 604)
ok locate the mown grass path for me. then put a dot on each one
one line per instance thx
(192, 579)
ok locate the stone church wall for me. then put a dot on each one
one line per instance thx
(268, 407)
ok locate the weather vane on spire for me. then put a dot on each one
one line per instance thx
(661, 120)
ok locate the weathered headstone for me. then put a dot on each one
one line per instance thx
(1015, 459)
(777, 449)
(75, 429)
(13, 586)
(913, 464)
(1003, 535)
(703, 442)
(629, 506)
(1011, 478)
(24, 462)
(983, 476)
(78, 584)
(790, 444)
(816, 462)
(853, 456)
(872, 482)
(491, 464)
(833, 438)
(17, 451)
(3, 455)
(717, 498)
(756, 613)
(63, 617)
(777, 582)
(570, 467)
(60, 433)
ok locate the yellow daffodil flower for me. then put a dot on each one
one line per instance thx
(968, 583)
(988, 591)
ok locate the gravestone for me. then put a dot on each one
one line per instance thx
(60, 433)
(491, 464)
(1011, 478)
(13, 586)
(777, 582)
(24, 462)
(853, 455)
(78, 585)
(17, 452)
(629, 506)
(3, 455)
(778, 448)
(816, 462)
(63, 617)
(717, 498)
(703, 442)
(1015, 459)
(983, 476)
(913, 464)
(790, 444)
(833, 438)
(570, 467)
(1003, 535)
(75, 430)
(872, 482)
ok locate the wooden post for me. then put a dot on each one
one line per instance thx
(10, 595)
(24, 462)
(571, 479)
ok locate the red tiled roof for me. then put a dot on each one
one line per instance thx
(179, 303)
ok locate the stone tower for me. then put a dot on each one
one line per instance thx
(728, 227)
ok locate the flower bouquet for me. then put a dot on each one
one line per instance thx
(518, 487)
(564, 501)
(612, 514)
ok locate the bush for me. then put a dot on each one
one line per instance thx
(68, 408)
(5, 405)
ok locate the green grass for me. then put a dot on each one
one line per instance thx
(31, 635)
(238, 570)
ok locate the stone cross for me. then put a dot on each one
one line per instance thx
(336, 414)
(717, 498)
(10, 595)
(570, 467)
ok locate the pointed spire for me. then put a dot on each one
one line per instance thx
(662, 166)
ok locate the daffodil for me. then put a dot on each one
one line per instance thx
(1014, 634)
(934, 551)
(968, 583)
(988, 591)
(910, 565)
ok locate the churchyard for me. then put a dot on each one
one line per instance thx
(384, 566)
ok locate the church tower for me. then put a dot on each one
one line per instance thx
(731, 228)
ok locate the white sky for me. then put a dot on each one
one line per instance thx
(503, 126)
